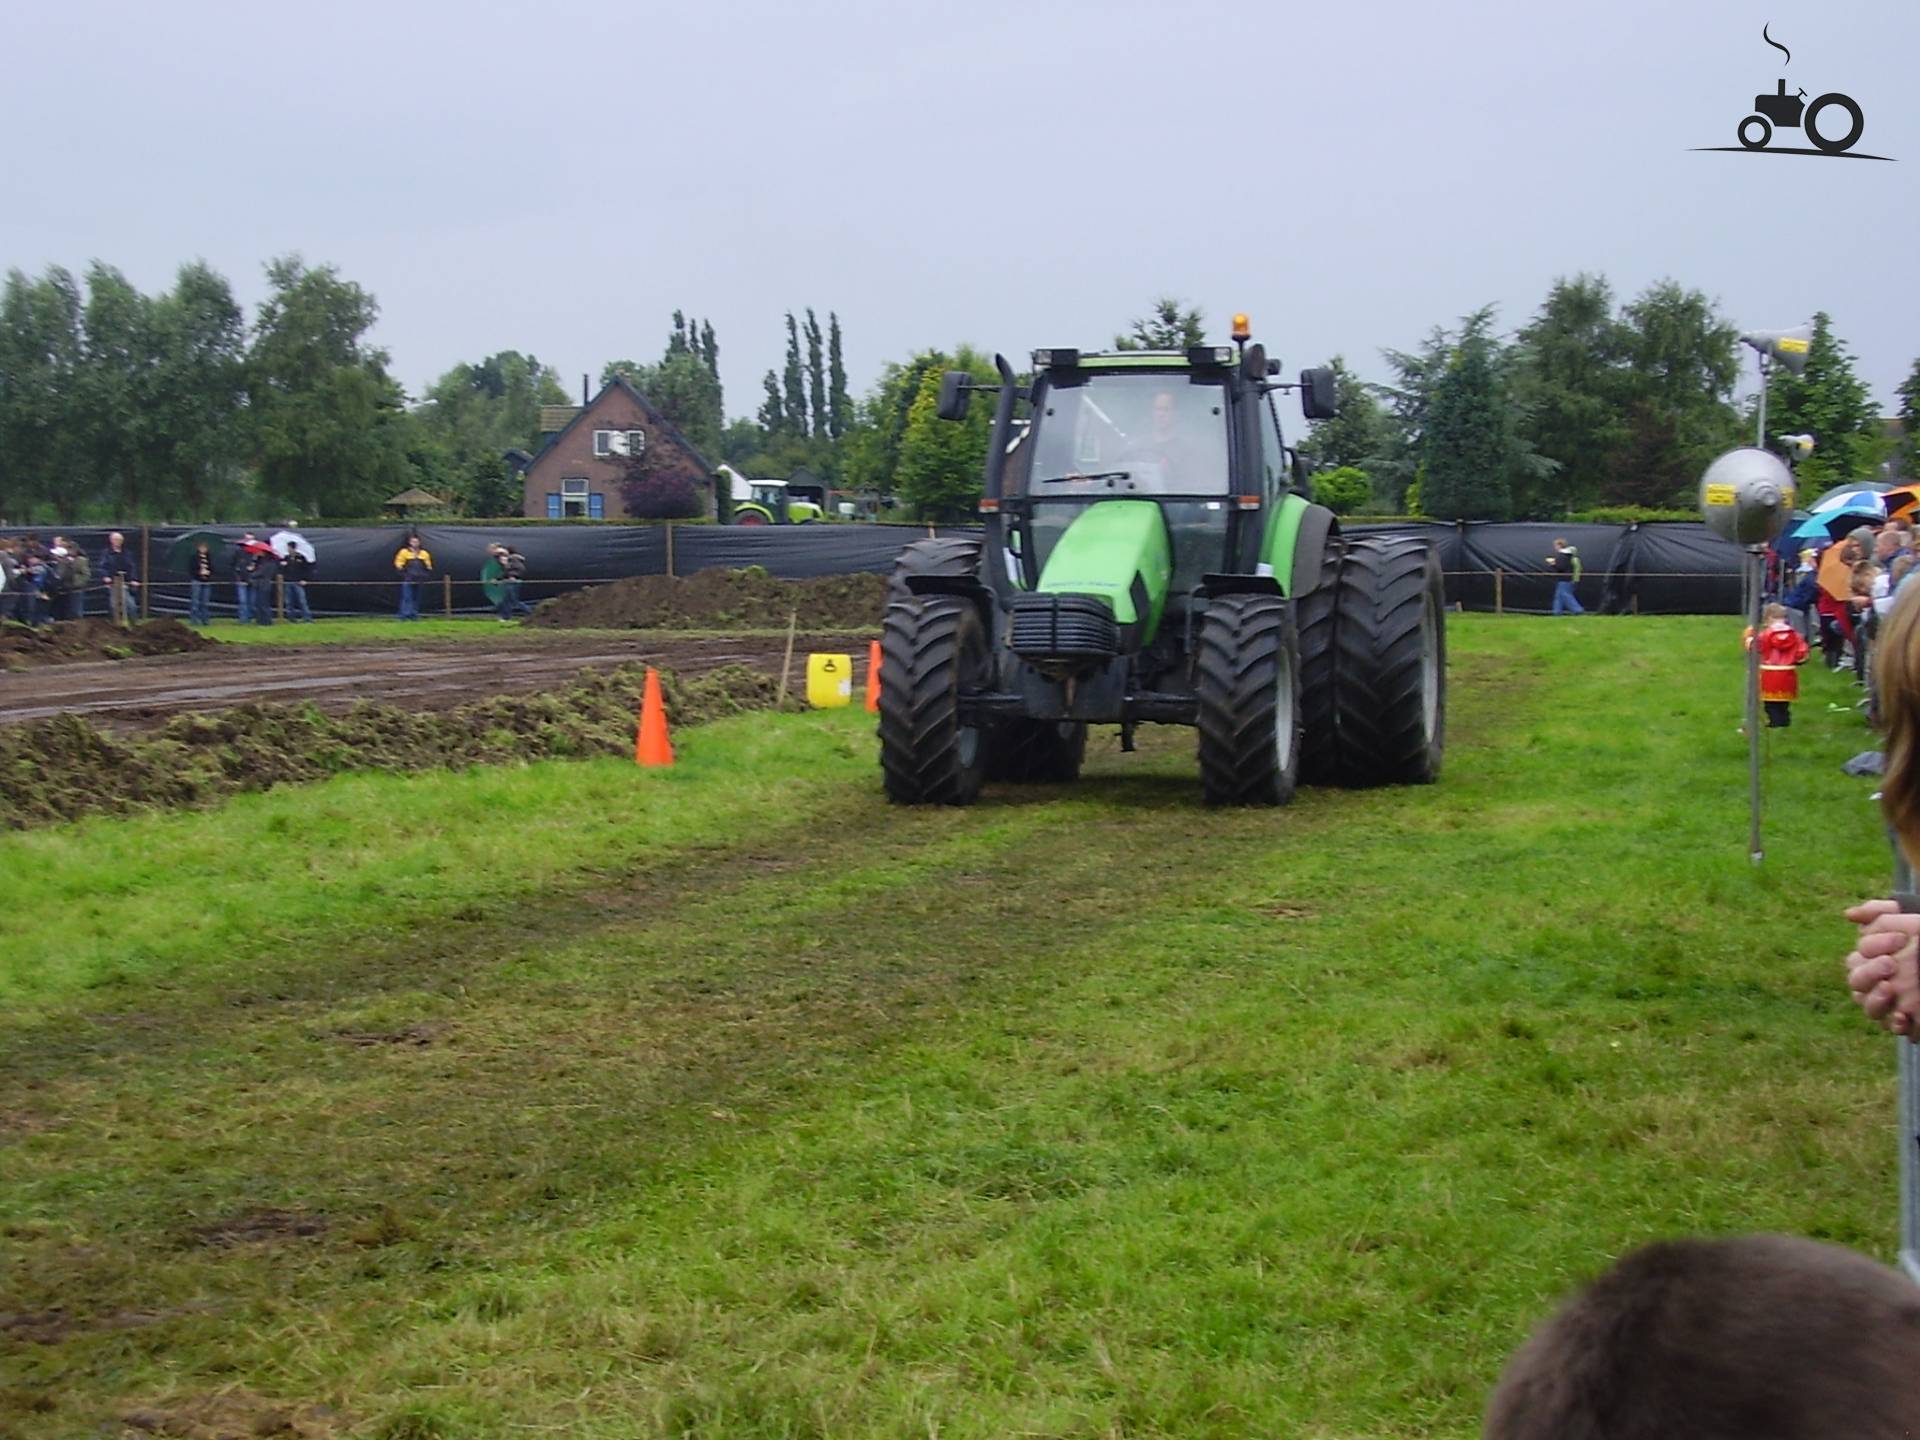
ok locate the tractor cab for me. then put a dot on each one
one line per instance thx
(1157, 435)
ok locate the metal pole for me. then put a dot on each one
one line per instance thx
(1756, 557)
(1909, 1072)
(146, 570)
(1760, 428)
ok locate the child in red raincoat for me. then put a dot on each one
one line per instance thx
(1782, 648)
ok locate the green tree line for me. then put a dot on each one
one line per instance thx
(1591, 403)
(116, 404)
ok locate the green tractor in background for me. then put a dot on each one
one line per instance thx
(781, 502)
(1151, 554)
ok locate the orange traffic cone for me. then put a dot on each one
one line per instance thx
(651, 746)
(873, 677)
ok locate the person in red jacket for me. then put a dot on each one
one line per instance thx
(1782, 650)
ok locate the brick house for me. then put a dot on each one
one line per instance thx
(577, 470)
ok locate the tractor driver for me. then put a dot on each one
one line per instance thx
(1185, 461)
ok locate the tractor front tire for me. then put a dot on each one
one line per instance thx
(1247, 680)
(931, 650)
(1389, 664)
(1038, 752)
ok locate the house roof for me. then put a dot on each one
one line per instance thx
(555, 418)
(414, 498)
(659, 422)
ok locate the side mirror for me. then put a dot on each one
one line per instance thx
(954, 395)
(1319, 393)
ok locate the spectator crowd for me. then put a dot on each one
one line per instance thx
(43, 581)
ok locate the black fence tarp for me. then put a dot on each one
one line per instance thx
(1666, 568)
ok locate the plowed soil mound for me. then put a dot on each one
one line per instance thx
(59, 769)
(67, 641)
(719, 600)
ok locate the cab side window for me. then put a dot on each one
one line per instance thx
(1273, 458)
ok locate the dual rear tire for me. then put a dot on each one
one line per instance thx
(1373, 647)
(1345, 686)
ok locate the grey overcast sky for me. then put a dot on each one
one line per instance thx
(558, 178)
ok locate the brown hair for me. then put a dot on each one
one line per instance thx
(1716, 1339)
(1776, 611)
(1896, 668)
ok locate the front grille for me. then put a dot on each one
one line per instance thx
(1063, 627)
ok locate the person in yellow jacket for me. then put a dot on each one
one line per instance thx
(415, 564)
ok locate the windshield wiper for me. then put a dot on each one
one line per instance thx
(1107, 475)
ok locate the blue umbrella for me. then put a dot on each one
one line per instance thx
(1831, 523)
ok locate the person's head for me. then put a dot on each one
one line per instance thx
(1861, 540)
(1896, 659)
(1558, 543)
(1885, 543)
(1756, 1334)
(1776, 614)
(116, 539)
(413, 540)
(1166, 414)
(247, 539)
(1863, 577)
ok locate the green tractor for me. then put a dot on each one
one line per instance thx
(1150, 553)
(781, 502)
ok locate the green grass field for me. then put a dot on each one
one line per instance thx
(730, 1101)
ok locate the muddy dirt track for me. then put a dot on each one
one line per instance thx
(141, 694)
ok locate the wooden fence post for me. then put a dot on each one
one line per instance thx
(446, 589)
(1499, 592)
(146, 569)
(669, 549)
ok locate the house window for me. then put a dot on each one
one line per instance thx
(603, 442)
(573, 497)
(636, 442)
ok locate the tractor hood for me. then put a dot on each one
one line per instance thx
(1103, 589)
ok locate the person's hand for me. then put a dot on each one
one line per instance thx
(1883, 972)
(1868, 911)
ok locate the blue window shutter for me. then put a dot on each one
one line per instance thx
(596, 507)
(553, 507)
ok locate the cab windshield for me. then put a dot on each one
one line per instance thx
(1125, 435)
(1127, 432)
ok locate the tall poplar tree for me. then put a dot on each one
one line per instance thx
(796, 382)
(816, 375)
(839, 403)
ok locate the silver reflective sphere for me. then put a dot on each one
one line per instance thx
(1746, 496)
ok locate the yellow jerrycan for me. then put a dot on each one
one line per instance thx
(829, 681)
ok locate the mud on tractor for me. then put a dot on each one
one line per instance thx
(1151, 554)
